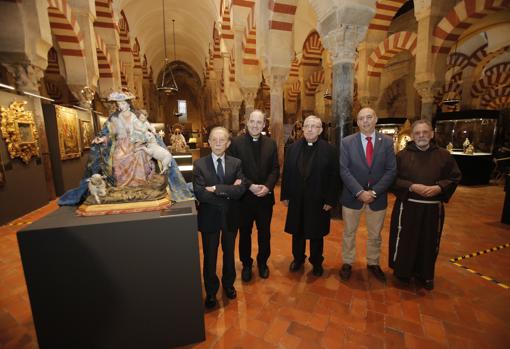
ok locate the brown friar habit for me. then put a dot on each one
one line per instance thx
(416, 221)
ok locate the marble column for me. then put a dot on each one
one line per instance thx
(341, 43)
(427, 90)
(235, 106)
(276, 80)
(226, 118)
(249, 95)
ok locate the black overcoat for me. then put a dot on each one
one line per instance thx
(308, 192)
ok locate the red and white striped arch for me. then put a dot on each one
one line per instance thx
(53, 69)
(123, 75)
(226, 24)
(125, 42)
(391, 46)
(216, 44)
(313, 82)
(232, 66)
(312, 50)
(457, 60)
(294, 91)
(145, 70)
(496, 99)
(104, 15)
(136, 55)
(385, 10)
(478, 55)
(281, 15)
(490, 82)
(250, 40)
(461, 17)
(104, 61)
(65, 28)
(294, 69)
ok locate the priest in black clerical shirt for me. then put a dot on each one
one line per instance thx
(259, 156)
(310, 188)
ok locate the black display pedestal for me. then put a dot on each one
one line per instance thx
(475, 169)
(119, 281)
(505, 215)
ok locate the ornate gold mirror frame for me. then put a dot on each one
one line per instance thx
(19, 131)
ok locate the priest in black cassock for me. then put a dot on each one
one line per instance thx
(427, 177)
(310, 188)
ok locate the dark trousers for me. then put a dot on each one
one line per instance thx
(316, 249)
(210, 244)
(260, 212)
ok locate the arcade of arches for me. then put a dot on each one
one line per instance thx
(402, 58)
(289, 58)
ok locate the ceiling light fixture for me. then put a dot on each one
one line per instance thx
(168, 85)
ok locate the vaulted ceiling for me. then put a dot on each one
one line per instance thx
(194, 21)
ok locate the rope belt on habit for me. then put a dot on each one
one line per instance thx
(424, 201)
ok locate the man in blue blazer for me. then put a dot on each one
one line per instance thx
(218, 183)
(368, 169)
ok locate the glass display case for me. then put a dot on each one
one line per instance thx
(470, 135)
(480, 133)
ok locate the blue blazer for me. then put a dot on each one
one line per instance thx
(356, 174)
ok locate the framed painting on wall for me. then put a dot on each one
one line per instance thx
(67, 129)
(86, 133)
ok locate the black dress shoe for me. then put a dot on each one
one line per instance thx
(318, 270)
(210, 301)
(345, 272)
(405, 280)
(246, 274)
(264, 271)
(231, 292)
(428, 285)
(377, 272)
(295, 266)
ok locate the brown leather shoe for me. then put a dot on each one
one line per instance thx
(377, 272)
(345, 272)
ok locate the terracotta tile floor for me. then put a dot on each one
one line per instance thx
(302, 311)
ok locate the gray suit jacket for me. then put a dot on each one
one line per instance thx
(357, 175)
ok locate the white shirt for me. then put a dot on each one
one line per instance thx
(364, 141)
(215, 161)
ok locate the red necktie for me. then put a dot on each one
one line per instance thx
(370, 151)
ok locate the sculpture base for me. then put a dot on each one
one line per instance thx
(128, 207)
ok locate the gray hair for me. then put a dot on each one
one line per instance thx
(312, 117)
(220, 128)
(422, 122)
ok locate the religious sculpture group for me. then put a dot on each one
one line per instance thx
(139, 173)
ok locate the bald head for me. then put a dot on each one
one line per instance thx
(366, 120)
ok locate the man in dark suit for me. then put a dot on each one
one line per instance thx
(218, 183)
(309, 189)
(259, 157)
(367, 168)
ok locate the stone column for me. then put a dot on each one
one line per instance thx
(276, 80)
(226, 116)
(249, 100)
(430, 67)
(85, 14)
(341, 43)
(235, 106)
(27, 79)
(427, 90)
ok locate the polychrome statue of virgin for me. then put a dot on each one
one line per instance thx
(119, 155)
